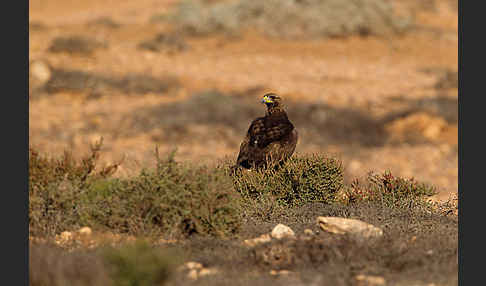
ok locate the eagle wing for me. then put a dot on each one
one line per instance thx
(261, 133)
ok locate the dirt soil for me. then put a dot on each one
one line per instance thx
(377, 103)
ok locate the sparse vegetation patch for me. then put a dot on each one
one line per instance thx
(164, 42)
(212, 210)
(290, 18)
(173, 199)
(63, 80)
(389, 189)
(57, 187)
(75, 45)
(139, 264)
(136, 263)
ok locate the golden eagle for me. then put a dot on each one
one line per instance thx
(270, 139)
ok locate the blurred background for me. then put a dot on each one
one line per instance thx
(373, 82)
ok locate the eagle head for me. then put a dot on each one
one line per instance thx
(271, 99)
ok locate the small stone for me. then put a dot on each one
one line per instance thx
(432, 131)
(340, 225)
(308, 232)
(40, 71)
(36, 239)
(261, 239)
(281, 272)
(85, 231)
(369, 280)
(193, 265)
(166, 241)
(280, 231)
(66, 235)
(208, 271)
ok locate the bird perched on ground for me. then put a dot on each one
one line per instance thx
(270, 139)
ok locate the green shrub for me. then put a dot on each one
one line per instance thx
(172, 199)
(130, 264)
(139, 264)
(300, 180)
(56, 186)
(389, 189)
(290, 18)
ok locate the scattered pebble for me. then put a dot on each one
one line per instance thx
(280, 231)
(258, 240)
(85, 231)
(369, 280)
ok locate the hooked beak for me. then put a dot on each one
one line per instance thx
(266, 99)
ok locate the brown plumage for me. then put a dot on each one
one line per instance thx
(270, 139)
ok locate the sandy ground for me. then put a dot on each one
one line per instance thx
(378, 77)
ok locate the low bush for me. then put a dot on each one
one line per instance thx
(56, 186)
(173, 198)
(300, 180)
(389, 189)
(419, 242)
(139, 264)
(135, 263)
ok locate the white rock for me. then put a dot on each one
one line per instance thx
(66, 235)
(196, 270)
(308, 231)
(369, 280)
(85, 231)
(193, 265)
(280, 231)
(281, 272)
(339, 225)
(208, 271)
(40, 71)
